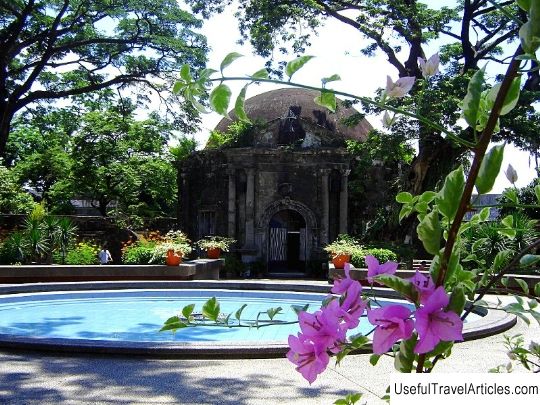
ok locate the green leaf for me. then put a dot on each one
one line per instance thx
(525, 5)
(398, 284)
(504, 281)
(299, 308)
(453, 265)
(471, 102)
(173, 324)
(272, 312)
(294, 65)
(429, 232)
(211, 308)
(220, 99)
(357, 342)
(260, 74)
(448, 198)
(442, 348)
(511, 97)
(427, 196)
(204, 76)
(404, 197)
(523, 284)
(188, 310)
(178, 86)
(537, 192)
(489, 169)
(326, 99)
(537, 289)
(374, 359)
(230, 58)
(239, 105)
(329, 79)
(509, 233)
(403, 362)
(185, 73)
(484, 214)
(457, 300)
(529, 260)
(405, 211)
(238, 313)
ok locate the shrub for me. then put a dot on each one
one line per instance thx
(13, 249)
(382, 255)
(343, 245)
(83, 253)
(138, 253)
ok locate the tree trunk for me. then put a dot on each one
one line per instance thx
(436, 158)
(6, 115)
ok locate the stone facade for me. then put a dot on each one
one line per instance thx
(284, 197)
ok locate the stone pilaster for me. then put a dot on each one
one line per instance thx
(325, 196)
(250, 208)
(231, 218)
(343, 201)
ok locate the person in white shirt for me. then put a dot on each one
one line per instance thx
(104, 256)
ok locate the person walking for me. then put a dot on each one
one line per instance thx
(104, 256)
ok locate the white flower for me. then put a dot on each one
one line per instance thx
(388, 121)
(430, 67)
(511, 174)
(400, 88)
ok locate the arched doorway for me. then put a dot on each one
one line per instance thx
(287, 242)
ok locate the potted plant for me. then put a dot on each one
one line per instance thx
(341, 250)
(214, 245)
(174, 246)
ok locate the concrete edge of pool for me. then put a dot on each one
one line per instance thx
(493, 322)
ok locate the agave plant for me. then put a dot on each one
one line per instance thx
(65, 233)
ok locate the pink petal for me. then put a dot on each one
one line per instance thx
(437, 300)
(426, 343)
(448, 326)
(388, 268)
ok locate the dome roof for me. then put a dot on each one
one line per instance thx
(292, 103)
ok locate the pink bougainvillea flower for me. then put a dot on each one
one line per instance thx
(352, 306)
(374, 268)
(429, 67)
(392, 323)
(341, 285)
(310, 360)
(323, 327)
(400, 88)
(424, 285)
(434, 324)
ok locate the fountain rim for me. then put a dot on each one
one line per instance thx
(491, 323)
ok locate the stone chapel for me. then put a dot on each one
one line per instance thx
(283, 195)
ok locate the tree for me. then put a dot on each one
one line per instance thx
(404, 26)
(119, 159)
(13, 199)
(53, 49)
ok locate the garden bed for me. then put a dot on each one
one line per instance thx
(200, 269)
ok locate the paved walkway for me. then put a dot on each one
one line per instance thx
(38, 378)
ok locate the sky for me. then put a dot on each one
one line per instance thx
(337, 50)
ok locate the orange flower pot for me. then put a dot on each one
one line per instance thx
(172, 259)
(340, 260)
(213, 253)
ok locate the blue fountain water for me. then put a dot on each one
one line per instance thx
(137, 315)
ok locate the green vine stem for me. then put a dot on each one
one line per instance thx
(479, 152)
(366, 100)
